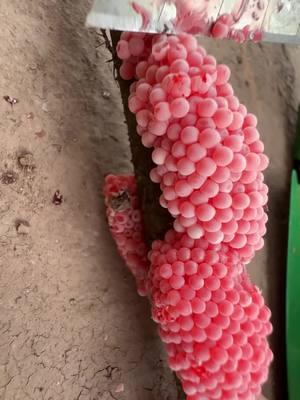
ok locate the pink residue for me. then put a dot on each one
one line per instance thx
(145, 14)
(243, 23)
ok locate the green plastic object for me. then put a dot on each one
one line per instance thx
(293, 280)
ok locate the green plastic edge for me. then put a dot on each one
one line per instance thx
(293, 293)
(297, 140)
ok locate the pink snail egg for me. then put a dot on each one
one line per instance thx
(209, 160)
(186, 166)
(195, 152)
(136, 46)
(207, 108)
(205, 212)
(222, 155)
(223, 118)
(206, 166)
(209, 138)
(162, 111)
(179, 107)
(189, 135)
(123, 50)
(220, 30)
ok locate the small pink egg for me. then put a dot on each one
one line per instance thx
(190, 267)
(225, 90)
(187, 209)
(173, 131)
(250, 120)
(187, 222)
(179, 66)
(141, 69)
(237, 123)
(211, 309)
(213, 332)
(202, 321)
(186, 166)
(179, 107)
(225, 187)
(178, 149)
(159, 156)
(198, 197)
(194, 58)
(195, 180)
(264, 162)
(177, 52)
(205, 212)
(238, 163)
(214, 237)
(207, 108)
(206, 166)
(221, 175)
(212, 226)
(240, 201)
(151, 74)
(223, 74)
(253, 162)
(135, 104)
(197, 254)
(178, 268)
(224, 215)
(176, 281)
(195, 231)
(209, 138)
(123, 50)
(222, 200)
(157, 128)
(156, 96)
(210, 188)
(251, 134)
(219, 30)
(161, 73)
(189, 41)
(204, 270)
(204, 123)
(222, 155)
(173, 297)
(162, 111)
(166, 271)
(189, 135)
(189, 120)
(183, 189)
(127, 70)
(184, 307)
(223, 118)
(136, 46)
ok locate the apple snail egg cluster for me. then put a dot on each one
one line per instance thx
(213, 320)
(209, 162)
(206, 146)
(124, 220)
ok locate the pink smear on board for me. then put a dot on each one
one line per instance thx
(194, 17)
(223, 28)
(145, 14)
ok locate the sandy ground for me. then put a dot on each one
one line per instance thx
(71, 324)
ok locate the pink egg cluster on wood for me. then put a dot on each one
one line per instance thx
(207, 148)
(209, 162)
(124, 220)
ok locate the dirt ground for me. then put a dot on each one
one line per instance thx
(71, 324)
